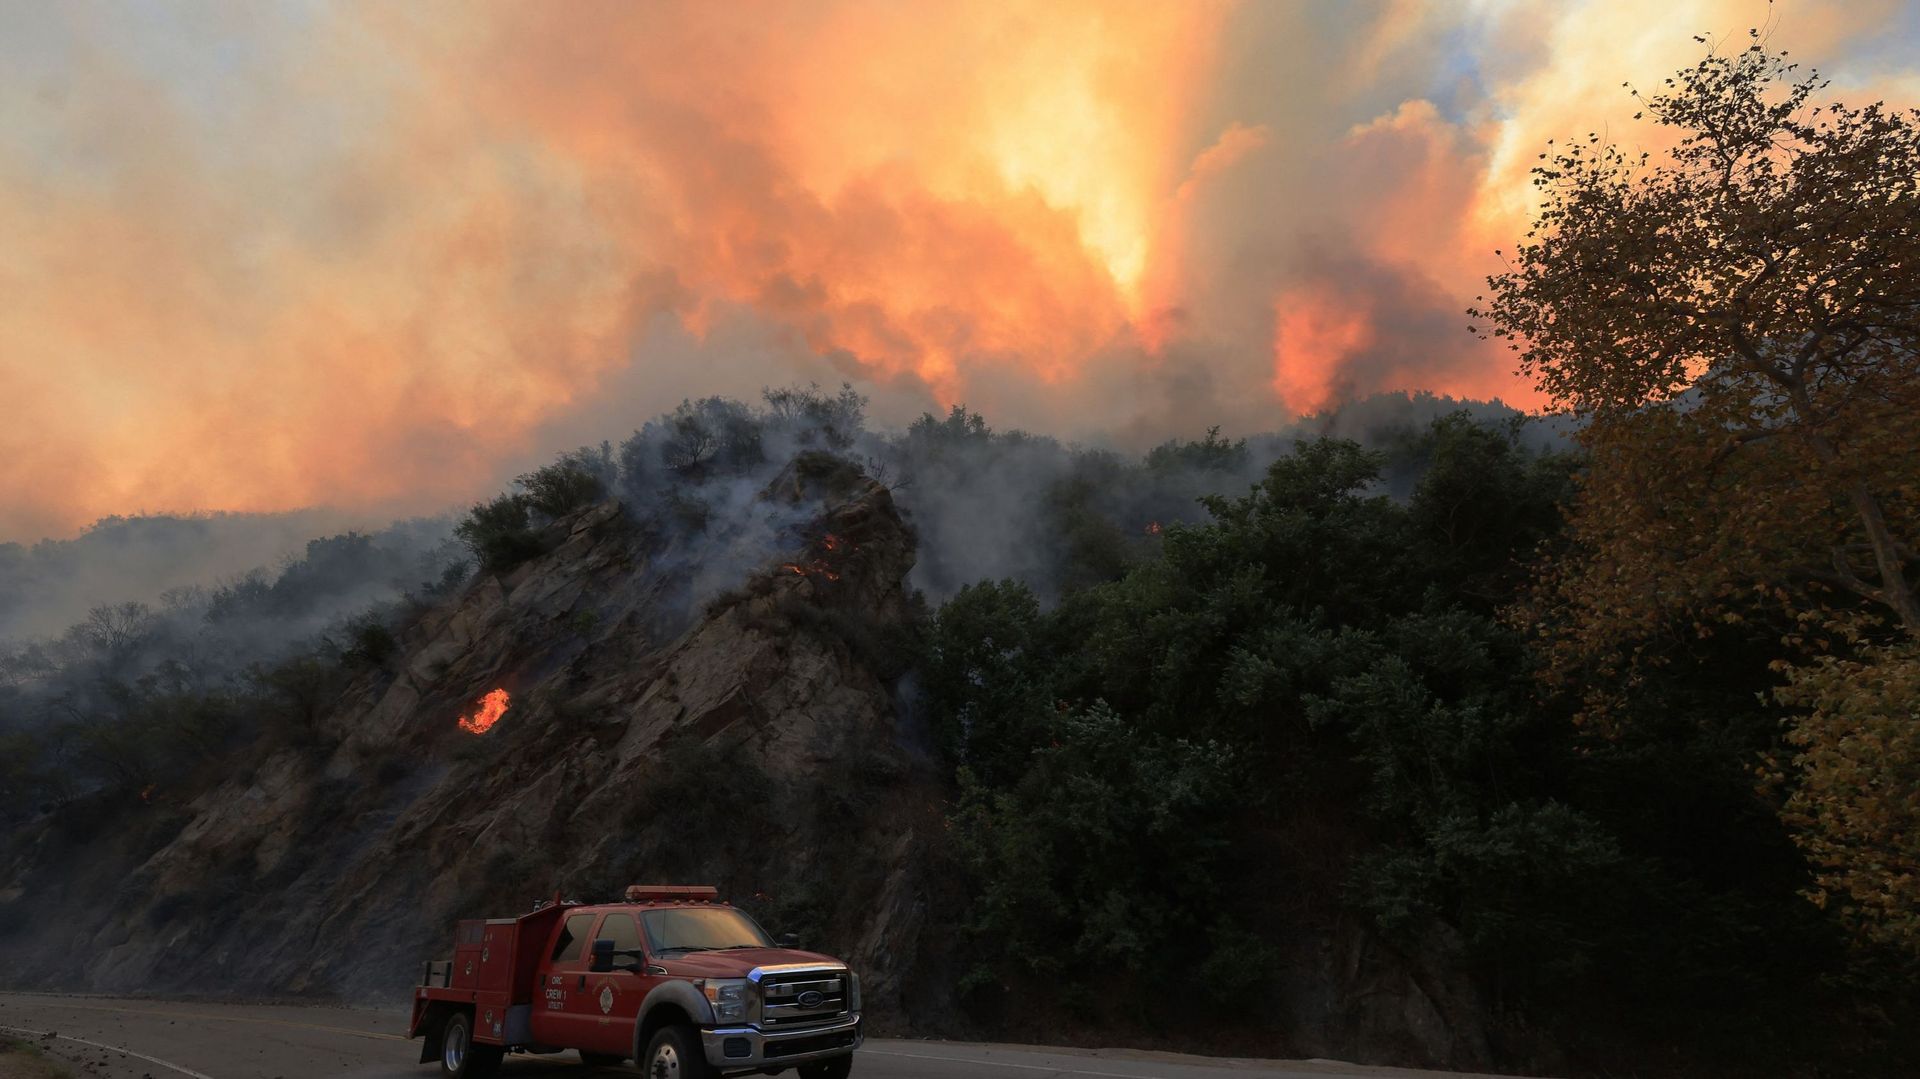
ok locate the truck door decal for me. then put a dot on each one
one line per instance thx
(606, 999)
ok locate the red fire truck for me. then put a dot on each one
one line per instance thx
(673, 979)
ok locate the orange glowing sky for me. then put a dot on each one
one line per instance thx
(366, 255)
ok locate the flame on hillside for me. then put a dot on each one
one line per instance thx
(492, 707)
(819, 566)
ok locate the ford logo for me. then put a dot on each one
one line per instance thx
(812, 998)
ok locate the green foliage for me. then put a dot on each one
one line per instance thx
(499, 533)
(957, 431)
(985, 675)
(1320, 659)
(1101, 854)
(503, 533)
(1529, 886)
(575, 481)
(1211, 453)
(1483, 506)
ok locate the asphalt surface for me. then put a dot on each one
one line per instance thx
(116, 1038)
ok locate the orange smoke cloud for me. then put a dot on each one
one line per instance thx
(377, 252)
(1314, 336)
(924, 190)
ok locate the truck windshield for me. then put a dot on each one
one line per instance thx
(701, 930)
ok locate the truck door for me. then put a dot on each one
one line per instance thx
(613, 997)
(559, 1006)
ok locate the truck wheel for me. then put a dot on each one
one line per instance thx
(459, 1057)
(837, 1068)
(675, 1053)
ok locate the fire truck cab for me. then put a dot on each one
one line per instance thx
(673, 979)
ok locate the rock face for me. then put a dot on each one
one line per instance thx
(749, 743)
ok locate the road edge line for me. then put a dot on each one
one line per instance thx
(168, 1064)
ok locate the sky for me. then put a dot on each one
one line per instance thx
(258, 257)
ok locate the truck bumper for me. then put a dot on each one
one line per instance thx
(728, 1048)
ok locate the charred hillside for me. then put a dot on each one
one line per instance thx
(751, 742)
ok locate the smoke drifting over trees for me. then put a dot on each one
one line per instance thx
(180, 605)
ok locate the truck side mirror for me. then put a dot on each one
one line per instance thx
(788, 940)
(602, 956)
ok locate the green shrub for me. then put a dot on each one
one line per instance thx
(369, 642)
(576, 480)
(1102, 855)
(498, 533)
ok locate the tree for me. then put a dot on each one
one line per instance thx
(1211, 452)
(930, 437)
(812, 415)
(1739, 323)
(1101, 855)
(577, 479)
(1740, 326)
(499, 532)
(711, 435)
(982, 670)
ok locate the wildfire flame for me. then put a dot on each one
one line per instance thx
(492, 707)
(1153, 528)
(819, 567)
(147, 794)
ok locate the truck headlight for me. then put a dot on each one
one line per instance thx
(728, 997)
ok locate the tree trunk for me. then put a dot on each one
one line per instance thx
(1894, 590)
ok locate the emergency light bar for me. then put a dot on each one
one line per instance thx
(672, 893)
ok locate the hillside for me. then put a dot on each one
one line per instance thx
(1249, 758)
(744, 745)
(754, 742)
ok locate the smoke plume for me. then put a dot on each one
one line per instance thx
(384, 256)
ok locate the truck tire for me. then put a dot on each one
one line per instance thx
(837, 1068)
(675, 1053)
(459, 1057)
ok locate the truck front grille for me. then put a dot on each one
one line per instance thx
(797, 998)
(813, 1043)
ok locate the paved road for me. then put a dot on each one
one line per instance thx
(114, 1038)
